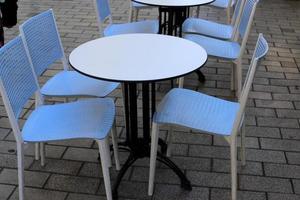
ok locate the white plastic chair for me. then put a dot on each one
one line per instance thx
(134, 10)
(43, 44)
(214, 29)
(207, 114)
(221, 4)
(103, 13)
(230, 50)
(92, 118)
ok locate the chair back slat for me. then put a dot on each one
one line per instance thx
(260, 51)
(246, 18)
(103, 10)
(42, 40)
(16, 76)
(238, 9)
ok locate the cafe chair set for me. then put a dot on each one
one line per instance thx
(25, 58)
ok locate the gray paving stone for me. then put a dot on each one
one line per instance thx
(288, 113)
(265, 156)
(167, 176)
(208, 151)
(282, 170)
(73, 184)
(38, 194)
(277, 196)
(6, 190)
(175, 192)
(251, 168)
(290, 133)
(222, 194)
(286, 145)
(207, 179)
(296, 183)
(74, 196)
(251, 142)
(264, 184)
(58, 166)
(263, 132)
(273, 104)
(278, 122)
(10, 161)
(191, 138)
(33, 179)
(293, 158)
(81, 154)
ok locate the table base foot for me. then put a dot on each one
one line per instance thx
(142, 150)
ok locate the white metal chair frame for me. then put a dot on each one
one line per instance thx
(238, 126)
(103, 144)
(40, 147)
(236, 75)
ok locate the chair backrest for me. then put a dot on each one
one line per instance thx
(260, 51)
(245, 23)
(237, 13)
(17, 80)
(103, 12)
(41, 38)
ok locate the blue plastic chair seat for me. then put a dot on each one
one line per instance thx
(198, 111)
(71, 83)
(216, 47)
(209, 28)
(90, 118)
(147, 26)
(221, 3)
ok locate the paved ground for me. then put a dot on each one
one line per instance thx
(72, 171)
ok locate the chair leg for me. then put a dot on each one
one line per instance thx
(37, 151)
(20, 154)
(198, 11)
(115, 145)
(243, 145)
(170, 141)
(238, 78)
(136, 15)
(233, 77)
(105, 169)
(42, 152)
(228, 15)
(130, 13)
(153, 155)
(233, 157)
(107, 152)
(180, 82)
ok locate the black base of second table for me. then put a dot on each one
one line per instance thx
(139, 147)
(170, 23)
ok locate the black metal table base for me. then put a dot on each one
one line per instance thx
(139, 147)
(142, 151)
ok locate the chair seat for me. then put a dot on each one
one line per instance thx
(221, 3)
(206, 27)
(216, 47)
(72, 83)
(147, 26)
(198, 111)
(90, 118)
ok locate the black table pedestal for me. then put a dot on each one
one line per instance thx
(139, 147)
(170, 23)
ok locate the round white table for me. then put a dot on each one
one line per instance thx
(172, 13)
(139, 58)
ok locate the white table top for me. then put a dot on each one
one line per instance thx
(137, 57)
(174, 3)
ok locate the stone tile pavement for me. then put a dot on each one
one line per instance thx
(272, 172)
